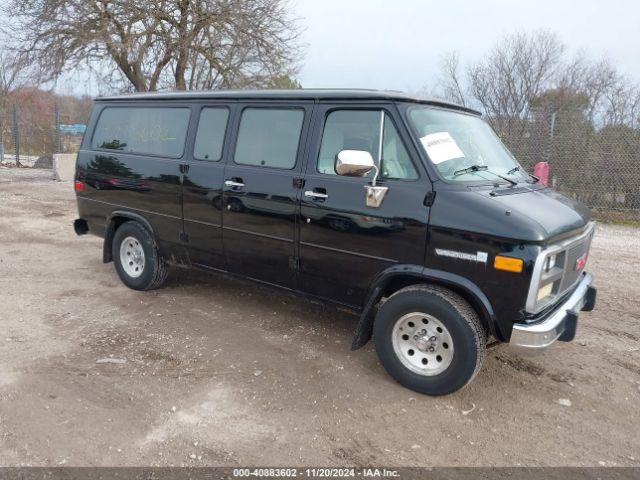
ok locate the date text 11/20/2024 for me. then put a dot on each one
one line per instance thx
(316, 472)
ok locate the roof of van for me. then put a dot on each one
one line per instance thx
(299, 94)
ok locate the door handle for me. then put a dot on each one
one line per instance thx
(315, 195)
(233, 184)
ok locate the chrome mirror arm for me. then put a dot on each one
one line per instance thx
(374, 194)
(375, 175)
(379, 159)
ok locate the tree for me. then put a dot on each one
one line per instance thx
(523, 71)
(451, 80)
(284, 82)
(8, 74)
(580, 115)
(514, 73)
(165, 44)
(505, 82)
(13, 75)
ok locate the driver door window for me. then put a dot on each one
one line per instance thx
(360, 130)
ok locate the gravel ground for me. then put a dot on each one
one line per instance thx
(215, 371)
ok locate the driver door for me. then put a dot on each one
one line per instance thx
(343, 243)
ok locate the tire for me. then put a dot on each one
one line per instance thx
(445, 358)
(145, 269)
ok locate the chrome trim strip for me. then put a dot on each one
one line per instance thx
(201, 222)
(80, 197)
(257, 234)
(536, 276)
(542, 334)
(348, 252)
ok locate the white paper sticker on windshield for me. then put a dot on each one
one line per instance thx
(441, 147)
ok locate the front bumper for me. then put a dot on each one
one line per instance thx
(559, 325)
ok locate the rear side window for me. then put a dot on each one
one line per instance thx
(152, 131)
(210, 136)
(269, 137)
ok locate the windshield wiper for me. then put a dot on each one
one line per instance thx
(484, 168)
(472, 168)
(519, 168)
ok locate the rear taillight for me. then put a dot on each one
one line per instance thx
(78, 186)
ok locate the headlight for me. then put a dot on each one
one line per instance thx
(545, 291)
(549, 278)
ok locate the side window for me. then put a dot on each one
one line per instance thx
(153, 131)
(210, 135)
(269, 137)
(360, 130)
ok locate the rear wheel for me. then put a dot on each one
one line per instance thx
(137, 260)
(429, 339)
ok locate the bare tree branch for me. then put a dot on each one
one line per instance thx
(524, 72)
(168, 44)
(450, 79)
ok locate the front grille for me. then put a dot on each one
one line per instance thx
(571, 274)
(564, 275)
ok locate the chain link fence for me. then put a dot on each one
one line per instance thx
(597, 165)
(30, 136)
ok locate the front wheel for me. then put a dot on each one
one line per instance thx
(429, 339)
(137, 260)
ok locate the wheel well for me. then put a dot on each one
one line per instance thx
(364, 329)
(117, 221)
(114, 223)
(398, 282)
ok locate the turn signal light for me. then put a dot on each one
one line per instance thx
(508, 264)
(78, 186)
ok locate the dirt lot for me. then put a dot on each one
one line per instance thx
(216, 371)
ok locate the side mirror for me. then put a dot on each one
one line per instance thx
(357, 163)
(353, 163)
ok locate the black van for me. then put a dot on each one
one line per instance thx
(410, 212)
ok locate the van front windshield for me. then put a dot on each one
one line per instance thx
(464, 147)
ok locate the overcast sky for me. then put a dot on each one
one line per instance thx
(397, 44)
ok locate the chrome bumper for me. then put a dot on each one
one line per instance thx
(559, 325)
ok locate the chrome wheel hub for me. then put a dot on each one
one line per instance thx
(132, 257)
(422, 343)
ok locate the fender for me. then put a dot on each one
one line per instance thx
(412, 274)
(111, 228)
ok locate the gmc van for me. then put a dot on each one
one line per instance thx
(409, 212)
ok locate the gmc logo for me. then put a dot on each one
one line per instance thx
(581, 261)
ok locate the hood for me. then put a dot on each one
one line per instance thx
(529, 214)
